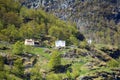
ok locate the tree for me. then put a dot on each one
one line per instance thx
(2, 72)
(113, 63)
(10, 32)
(18, 48)
(56, 32)
(10, 5)
(60, 32)
(28, 30)
(1, 25)
(1, 63)
(74, 40)
(19, 68)
(28, 49)
(83, 44)
(35, 73)
(55, 60)
(12, 18)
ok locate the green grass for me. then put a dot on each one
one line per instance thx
(78, 67)
(99, 46)
(41, 52)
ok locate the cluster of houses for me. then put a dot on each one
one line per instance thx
(58, 43)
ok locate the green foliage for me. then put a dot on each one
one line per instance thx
(69, 75)
(28, 49)
(18, 48)
(113, 63)
(56, 32)
(10, 32)
(60, 32)
(12, 18)
(55, 60)
(18, 67)
(52, 76)
(30, 30)
(1, 25)
(1, 63)
(18, 23)
(10, 5)
(74, 40)
(83, 44)
(118, 46)
(118, 59)
(2, 75)
(35, 73)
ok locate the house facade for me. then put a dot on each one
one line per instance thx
(29, 42)
(60, 43)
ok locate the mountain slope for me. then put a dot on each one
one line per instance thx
(96, 19)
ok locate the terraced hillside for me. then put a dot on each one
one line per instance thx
(90, 63)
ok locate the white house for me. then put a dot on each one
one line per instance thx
(29, 42)
(60, 43)
(89, 41)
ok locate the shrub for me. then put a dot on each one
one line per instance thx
(1, 63)
(35, 73)
(53, 76)
(2, 75)
(28, 49)
(18, 48)
(18, 67)
(83, 44)
(68, 74)
(55, 60)
(74, 40)
(113, 63)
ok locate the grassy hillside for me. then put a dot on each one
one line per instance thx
(18, 23)
(75, 63)
(78, 60)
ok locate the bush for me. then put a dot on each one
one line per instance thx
(18, 48)
(28, 49)
(1, 63)
(74, 40)
(118, 46)
(2, 75)
(2, 72)
(113, 63)
(53, 76)
(19, 68)
(68, 74)
(35, 73)
(83, 44)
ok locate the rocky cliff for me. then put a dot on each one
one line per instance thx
(74, 10)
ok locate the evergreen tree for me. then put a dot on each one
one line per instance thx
(18, 48)
(2, 72)
(55, 60)
(1, 63)
(19, 68)
(10, 32)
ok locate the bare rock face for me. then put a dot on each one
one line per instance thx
(60, 8)
(51, 4)
(68, 9)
